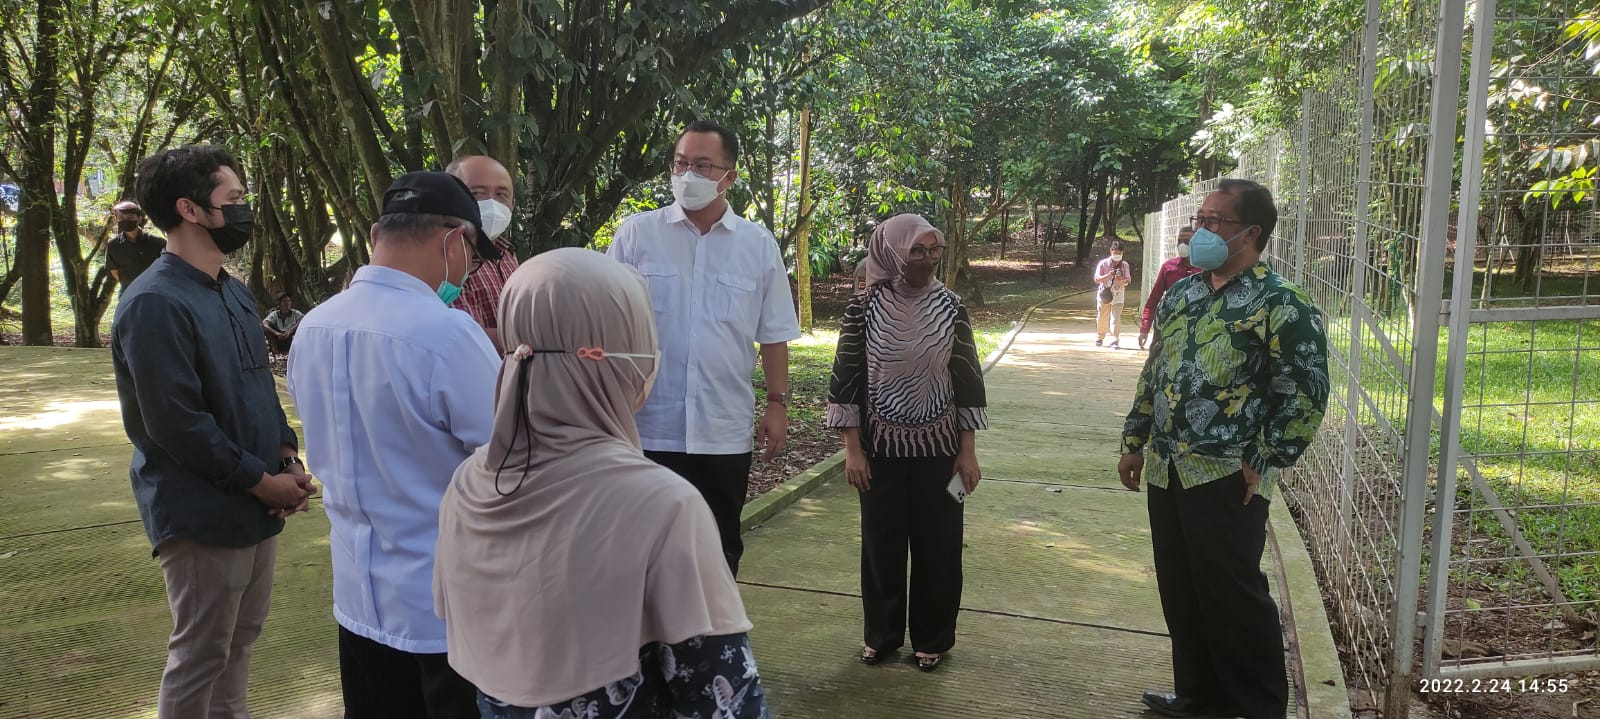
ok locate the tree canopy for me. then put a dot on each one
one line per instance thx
(848, 110)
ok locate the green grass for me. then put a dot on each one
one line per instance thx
(810, 367)
(1530, 418)
(61, 318)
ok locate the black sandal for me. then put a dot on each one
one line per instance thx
(928, 664)
(871, 656)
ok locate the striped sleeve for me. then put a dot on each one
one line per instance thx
(966, 377)
(847, 389)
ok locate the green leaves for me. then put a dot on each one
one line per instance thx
(1575, 186)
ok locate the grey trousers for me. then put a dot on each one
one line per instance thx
(219, 598)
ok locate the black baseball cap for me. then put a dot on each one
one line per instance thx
(438, 193)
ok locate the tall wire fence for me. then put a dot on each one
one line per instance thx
(1437, 199)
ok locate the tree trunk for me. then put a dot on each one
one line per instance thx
(802, 247)
(38, 177)
(1208, 162)
(320, 151)
(1530, 249)
(976, 295)
(7, 281)
(333, 47)
(1005, 228)
(33, 246)
(89, 292)
(1045, 232)
(503, 85)
(1084, 190)
(1113, 208)
(1086, 241)
(955, 230)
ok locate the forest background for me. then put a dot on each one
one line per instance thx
(1059, 121)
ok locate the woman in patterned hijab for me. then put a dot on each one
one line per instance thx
(907, 394)
(576, 577)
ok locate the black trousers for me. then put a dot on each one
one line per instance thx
(723, 480)
(907, 508)
(381, 682)
(1227, 644)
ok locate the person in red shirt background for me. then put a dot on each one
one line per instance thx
(1171, 271)
(490, 184)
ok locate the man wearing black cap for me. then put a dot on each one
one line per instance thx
(395, 389)
(132, 250)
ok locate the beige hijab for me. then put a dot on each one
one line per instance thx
(891, 242)
(586, 551)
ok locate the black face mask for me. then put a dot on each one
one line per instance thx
(238, 222)
(127, 225)
(918, 274)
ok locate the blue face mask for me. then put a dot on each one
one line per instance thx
(1208, 251)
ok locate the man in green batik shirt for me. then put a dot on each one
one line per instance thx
(1232, 393)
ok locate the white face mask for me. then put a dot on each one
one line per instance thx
(1183, 250)
(633, 357)
(595, 354)
(496, 217)
(649, 378)
(694, 192)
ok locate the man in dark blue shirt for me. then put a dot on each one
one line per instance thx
(215, 467)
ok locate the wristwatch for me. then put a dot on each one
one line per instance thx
(779, 397)
(283, 466)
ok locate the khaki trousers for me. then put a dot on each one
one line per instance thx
(219, 598)
(1110, 313)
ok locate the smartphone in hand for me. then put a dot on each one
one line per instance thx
(957, 489)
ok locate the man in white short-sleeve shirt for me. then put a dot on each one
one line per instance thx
(718, 287)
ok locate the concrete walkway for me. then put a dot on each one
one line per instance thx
(1060, 617)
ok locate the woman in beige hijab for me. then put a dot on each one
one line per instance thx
(907, 394)
(577, 578)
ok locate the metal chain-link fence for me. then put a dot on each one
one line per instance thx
(1457, 262)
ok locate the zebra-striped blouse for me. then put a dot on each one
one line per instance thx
(906, 371)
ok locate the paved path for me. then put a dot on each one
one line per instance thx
(1060, 616)
(1059, 619)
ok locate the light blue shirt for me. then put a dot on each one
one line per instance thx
(715, 296)
(394, 391)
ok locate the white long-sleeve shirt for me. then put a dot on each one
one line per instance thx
(394, 391)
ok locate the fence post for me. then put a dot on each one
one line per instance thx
(1302, 190)
(1150, 263)
(1457, 314)
(1359, 269)
(1437, 180)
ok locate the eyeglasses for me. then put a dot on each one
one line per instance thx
(703, 169)
(1211, 223)
(472, 249)
(921, 251)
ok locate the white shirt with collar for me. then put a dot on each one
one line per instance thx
(715, 296)
(394, 391)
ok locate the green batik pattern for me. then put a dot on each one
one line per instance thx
(1237, 374)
